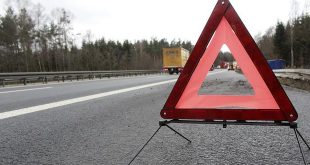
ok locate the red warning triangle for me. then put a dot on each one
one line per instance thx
(269, 101)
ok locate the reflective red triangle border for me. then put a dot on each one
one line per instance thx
(286, 110)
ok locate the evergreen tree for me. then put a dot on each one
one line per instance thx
(281, 47)
(9, 41)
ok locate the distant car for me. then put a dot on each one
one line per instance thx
(212, 68)
(231, 67)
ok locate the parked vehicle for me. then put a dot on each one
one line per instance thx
(223, 65)
(277, 64)
(174, 59)
(231, 66)
(212, 68)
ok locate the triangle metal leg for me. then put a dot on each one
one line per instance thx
(161, 124)
(303, 139)
(302, 154)
(144, 145)
(179, 133)
(165, 123)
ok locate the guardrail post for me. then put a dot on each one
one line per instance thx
(24, 81)
(42, 79)
(3, 83)
(45, 80)
(63, 78)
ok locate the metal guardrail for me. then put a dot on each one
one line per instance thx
(297, 78)
(44, 77)
(293, 71)
(301, 74)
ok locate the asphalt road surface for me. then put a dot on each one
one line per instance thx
(107, 121)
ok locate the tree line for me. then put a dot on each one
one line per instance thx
(285, 39)
(37, 42)
(30, 42)
(223, 57)
(111, 55)
(33, 41)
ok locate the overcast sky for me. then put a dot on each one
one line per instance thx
(171, 19)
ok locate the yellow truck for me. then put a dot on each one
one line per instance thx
(174, 59)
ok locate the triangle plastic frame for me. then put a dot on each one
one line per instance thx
(285, 112)
(260, 99)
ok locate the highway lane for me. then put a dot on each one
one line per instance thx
(12, 99)
(17, 98)
(110, 130)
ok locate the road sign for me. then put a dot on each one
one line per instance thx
(269, 101)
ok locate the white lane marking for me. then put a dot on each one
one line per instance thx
(43, 107)
(22, 90)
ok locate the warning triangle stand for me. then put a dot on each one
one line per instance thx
(269, 106)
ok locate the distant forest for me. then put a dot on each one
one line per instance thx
(277, 42)
(33, 41)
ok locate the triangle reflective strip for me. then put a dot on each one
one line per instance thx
(262, 98)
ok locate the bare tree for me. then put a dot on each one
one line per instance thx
(88, 37)
(266, 45)
(307, 7)
(63, 20)
(293, 16)
(39, 20)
